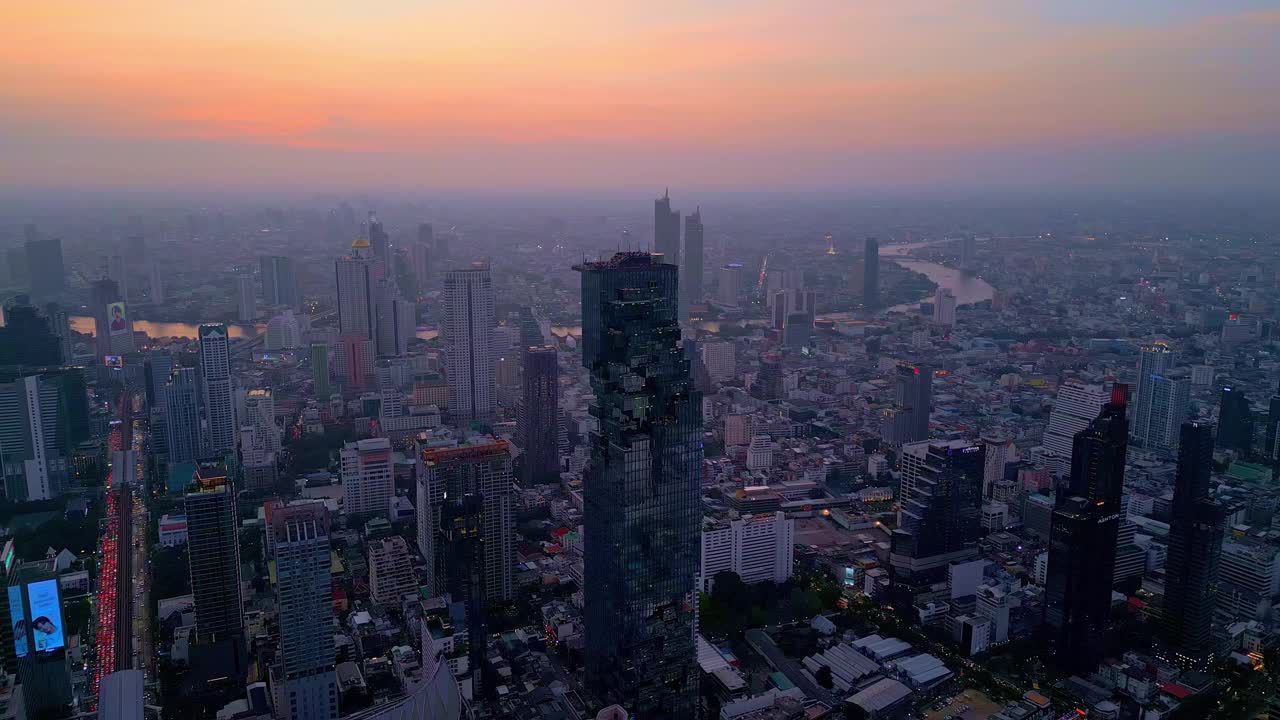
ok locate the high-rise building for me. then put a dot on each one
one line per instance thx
(1083, 540)
(397, 321)
(214, 548)
(33, 461)
(182, 416)
(871, 274)
(466, 529)
(666, 230)
(768, 382)
(320, 370)
(939, 522)
(246, 298)
(424, 258)
(794, 301)
(353, 360)
(1153, 362)
(43, 670)
(468, 325)
(719, 358)
(1169, 403)
(1074, 409)
(1273, 423)
(1195, 551)
(368, 478)
(357, 277)
(391, 571)
(643, 485)
(156, 283)
(756, 547)
(691, 262)
(536, 426)
(284, 332)
(379, 241)
(28, 337)
(300, 548)
(968, 254)
(913, 396)
(944, 307)
(729, 287)
(215, 380)
(118, 270)
(48, 276)
(260, 414)
(1235, 420)
(112, 323)
(279, 283)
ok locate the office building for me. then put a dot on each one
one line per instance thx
(666, 230)
(112, 323)
(28, 337)
(214, 547)
(1271, 451)
(968, 254)
(357, 275)
(691, 260)
(182, 416)
(537, 423)
(157, 367)
(944, 308)
(246, 298)
(424, 258)
(1153, 362)
(939, 521)
(794, 301)
(468, 326)
(1170, 399)
(368, 479)
(391, 571)
(1235, 420)
(1074, 409)
(1195, 553)
(300, 545)
(260, 414)
(466, 530)
(44, 672)
(756, 547)
(320, 370)
(729, 285)
(871, 274)
(768, 382)
(279, 282)
(913, 400)
(642, 490)
(1248, 579)
(1084, 538)
(354, 360)
(45, 271)
(34, 444)
(155, 283)
(216, 393)
(379, 241)
(719, 359)
(284, 332)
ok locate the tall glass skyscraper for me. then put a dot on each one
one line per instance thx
(537, 425)
(468, 329)
(691, 267)
(666, 230)
(643, 488)
(215, 379)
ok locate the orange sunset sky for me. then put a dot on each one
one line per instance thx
(728, 94)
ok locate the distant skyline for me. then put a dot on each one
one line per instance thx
(744, 95)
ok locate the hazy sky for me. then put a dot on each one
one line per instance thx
(715, 94)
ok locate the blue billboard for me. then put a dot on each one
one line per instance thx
(46, 615)
(18, 619)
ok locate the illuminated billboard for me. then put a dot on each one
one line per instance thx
(117, 319)
(113, 361)
(19, 620)
(46, 615)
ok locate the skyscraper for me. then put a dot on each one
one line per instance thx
(768, 382)
(27, 337)
(215, 379)
(1074, 409)
(118, 270)
(666, 230)
(212, 526)
(356, 276)
(468, 325)
(1273, 424)
(260, 414)
(182, 416)
(48, 276)
(1153, 361)
(643, 485)
(246, 298)
(692, 260)
(536, 426)
(944, 307)
(913, 395)
(1083, 540)
(466, 530)
(368, 481)
(871, 274)
(33, 443)
(112, 323)
(939, 523)
(379, 241)
(300, 534)
(279, 283)
(1195, 550)
(1235, 420)
(320, 370)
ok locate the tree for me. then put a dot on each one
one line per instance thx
(823, 676)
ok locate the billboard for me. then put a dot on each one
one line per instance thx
(113, 361)
(46, 615)
(117, 319)
(18, 618)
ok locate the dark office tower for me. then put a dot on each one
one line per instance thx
(1273, 421)
(181, 423)
(424, 258)
(939, 524)
(697, 367)
(16, 260)
(913, 396)
(1195, 548)
(1235, 420)
(27, 338)
(44, 267)
(691, 266)
(43, 668)
(530, 328)
(112, 323)
(60, 326)
(215, 554)
(379, 241)
(871, 274)
(539, 411)
(426, 234)
(643, 488)
(279, 283)
(1082, 544)
(666, 230)
(768, 382)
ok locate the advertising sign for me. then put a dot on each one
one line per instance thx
(19, 620)
(117, 319)
(113, 361)
(46, 615)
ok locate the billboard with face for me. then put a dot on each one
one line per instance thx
(18, 618)
(117, 319)
(46, 615)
